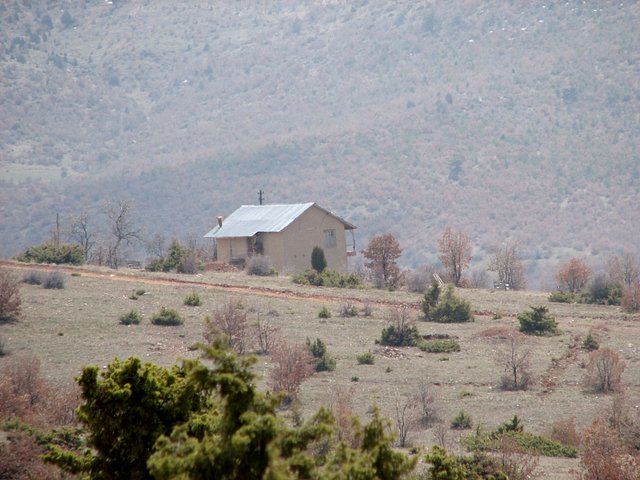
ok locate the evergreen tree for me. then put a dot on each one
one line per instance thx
(318, 260)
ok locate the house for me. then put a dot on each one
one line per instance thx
(284, 233)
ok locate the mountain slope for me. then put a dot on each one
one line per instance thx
(507, 120)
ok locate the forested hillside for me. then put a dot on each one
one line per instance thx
(511, 120)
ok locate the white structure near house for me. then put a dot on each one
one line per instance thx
(284, 233)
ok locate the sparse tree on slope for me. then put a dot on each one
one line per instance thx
(382, 253)
(454, 251)
(506, 262)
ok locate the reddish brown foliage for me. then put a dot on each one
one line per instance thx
(454, 251)
(603, 457)
(10, 301)
(564, 431)
(293, 364)
(20, 459)
(382, 253)
(573, 275)
(631, 298)
(229, 319)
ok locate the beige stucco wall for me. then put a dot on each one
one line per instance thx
(290, 249)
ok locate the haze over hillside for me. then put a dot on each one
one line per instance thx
(509, 120)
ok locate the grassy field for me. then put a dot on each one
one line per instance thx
(78, 326)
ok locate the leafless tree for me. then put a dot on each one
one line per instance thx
(425, 402)
(81, 233)
(156, 246)
(267, 334)
(10, 301)
(230, 319)
(122, 229)
(441, 434)
(406, 410)
(454, 251)
(604, 371)
(624, 269)
(507, 263)
(293, 364)
(513, 358)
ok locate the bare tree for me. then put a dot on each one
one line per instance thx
(513, 358)
(604, 371)
(10, 301)
(454, 251)
(266, 334)
(229, 319)
(81, 233)
(507, 263)
(441, 434)
(156, 246)
(122, 229)
(624, 269)
(293, 364)
(406, 413)
(425, 402)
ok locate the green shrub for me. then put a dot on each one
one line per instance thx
(430, 299)
(66, 253)
(451, 309)
(328, 278)
(318, 260)
(32, 277)
(133, 296)
(53, 280)
(366, 358)
(140, 292)
(562, 297)
(156, 265)
(590, 343)
(403, 336)
(324, 313)
(324, 361)
(462, 421)
(192, 300)
(131, 318)
(261, 266)
(538, 321)
(167, 316)
(439, 346)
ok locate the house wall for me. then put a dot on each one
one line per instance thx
(231, 248)
(308, 231)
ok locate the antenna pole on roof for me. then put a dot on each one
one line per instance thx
(260, 196)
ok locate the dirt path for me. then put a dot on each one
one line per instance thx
(261, 291)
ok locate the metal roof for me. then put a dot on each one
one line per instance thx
(248, 220)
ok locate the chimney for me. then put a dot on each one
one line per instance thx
(220, 220)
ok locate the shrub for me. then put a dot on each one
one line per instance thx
(439, 346)
(71, 253)
(260, 265)
(3, 346)
(574, 275)
(192, 300)
(602, 456)
(131, 318)
(603, 292)
(292, 364)
(328, 278)
(167, 317)
(53, 280)
(10, 301)
(418, 280)
(323, 361)
(631, 298)
(348, 310)
(462, 421)
(32, 277)
(538, 321)
(590, 343)
(318, 260)
(366, 358)
(230, 319)
(604, 371)
(564, 432)
(367, 310)
(451, 309)
(562, 297)
(324, 313)
(266, 335)
(430, 299)
(400, 331)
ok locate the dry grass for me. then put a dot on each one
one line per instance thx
(68, 329)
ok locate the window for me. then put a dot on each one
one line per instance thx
(329, 238)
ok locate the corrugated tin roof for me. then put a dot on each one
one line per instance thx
(248, 220)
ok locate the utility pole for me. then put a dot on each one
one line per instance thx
(260, 196)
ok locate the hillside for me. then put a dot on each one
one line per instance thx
(508, 120)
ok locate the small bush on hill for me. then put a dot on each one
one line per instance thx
(324, 313)
(192, 300)
(562, 297)
(10, 301)
(366, 358)
(53, 280)
(70, 253)
(538, 321)
(462, 421)
(604, 371)
(348, 310)
(167, 316)
(439, 346)
(32, 277)
(180, 258)
(323, 361)
(131, 318)
(261, 266)
(400, 331)
(328, 278)
(631, 298)
(450, 309)
(590, 343)
(430, 299)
